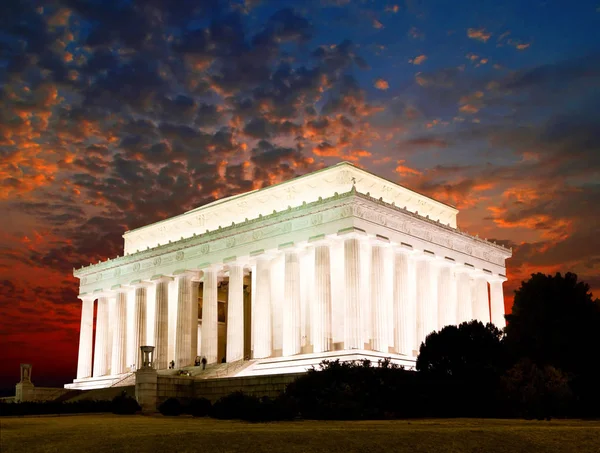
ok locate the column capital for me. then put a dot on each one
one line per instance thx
(424, 255)
(496, 278)
(352, 233)
(161, 278)
(140, 284)
(87, 296)
(189, 272)
(119, 289)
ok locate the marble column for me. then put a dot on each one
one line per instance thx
(210, 314)
(84, 360)
(119, 341)
(352, 331)
(447, 296)
(379, 318)
(427, 305)
(161, 323)
(481, 302)
(235, 314)
(405, 304)
(261, 317)
(193, 324)
(322, 339)
(139, 324)
(464, 296)
(497, 303)
(292, 333)
(183, 330)
(102, 345)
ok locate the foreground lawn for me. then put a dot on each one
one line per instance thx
(104, 433)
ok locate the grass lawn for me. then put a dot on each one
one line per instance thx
(104, 433)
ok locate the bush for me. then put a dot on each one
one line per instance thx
(241, 406)
(170, 407)
(354, 391)
(125, 405)
(200, 407)
(236, 405)
(539, 392)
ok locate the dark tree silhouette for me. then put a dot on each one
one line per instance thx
(469, 351)
(555, 322)
(461, 368)
(536, 391)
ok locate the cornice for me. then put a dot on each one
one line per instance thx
(258, 228)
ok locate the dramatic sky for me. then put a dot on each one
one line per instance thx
(115, 114)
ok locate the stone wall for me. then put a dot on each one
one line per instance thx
(186, 388)
(28, 392)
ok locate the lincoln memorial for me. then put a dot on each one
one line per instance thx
(338, 263)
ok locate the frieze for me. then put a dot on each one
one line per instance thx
(351, 202)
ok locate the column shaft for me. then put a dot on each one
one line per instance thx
(481, 302)
(447, 309)
(161, 324)
(102, 340)
(193, 324)
(183, 334)
(210, 307)
(380, 319)
(235, 314)
(292, 334)
(497, 303)
(119, 344)
(405, 304)
(322, 340)
(352, 331)
(464, 297)
(139, 324)
(84, 360)
(261, 316)
(427, 306)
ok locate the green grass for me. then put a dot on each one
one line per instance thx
(104, 433)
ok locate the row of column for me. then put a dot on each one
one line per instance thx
(113, 339)
(380, 310)
(383, 311)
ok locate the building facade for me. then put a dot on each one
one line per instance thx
(338, 263)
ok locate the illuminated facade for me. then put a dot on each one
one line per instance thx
(338, 263)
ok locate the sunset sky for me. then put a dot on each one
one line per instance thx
(115, 114)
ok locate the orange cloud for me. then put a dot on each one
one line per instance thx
(377, 24)
(404, 170)
(381, 84)
(418, 59)
(480, 34)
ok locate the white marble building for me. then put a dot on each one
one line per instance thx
(336, 263)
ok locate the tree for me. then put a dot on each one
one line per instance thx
(537, 391)
(460, 368)
(469, 351)
(555, 321)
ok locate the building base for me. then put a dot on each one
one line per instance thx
(259, 367)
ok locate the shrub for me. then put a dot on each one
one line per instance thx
(200, 407)
(125, 405)
(537, 391)
(170, 407)
(237, 405)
